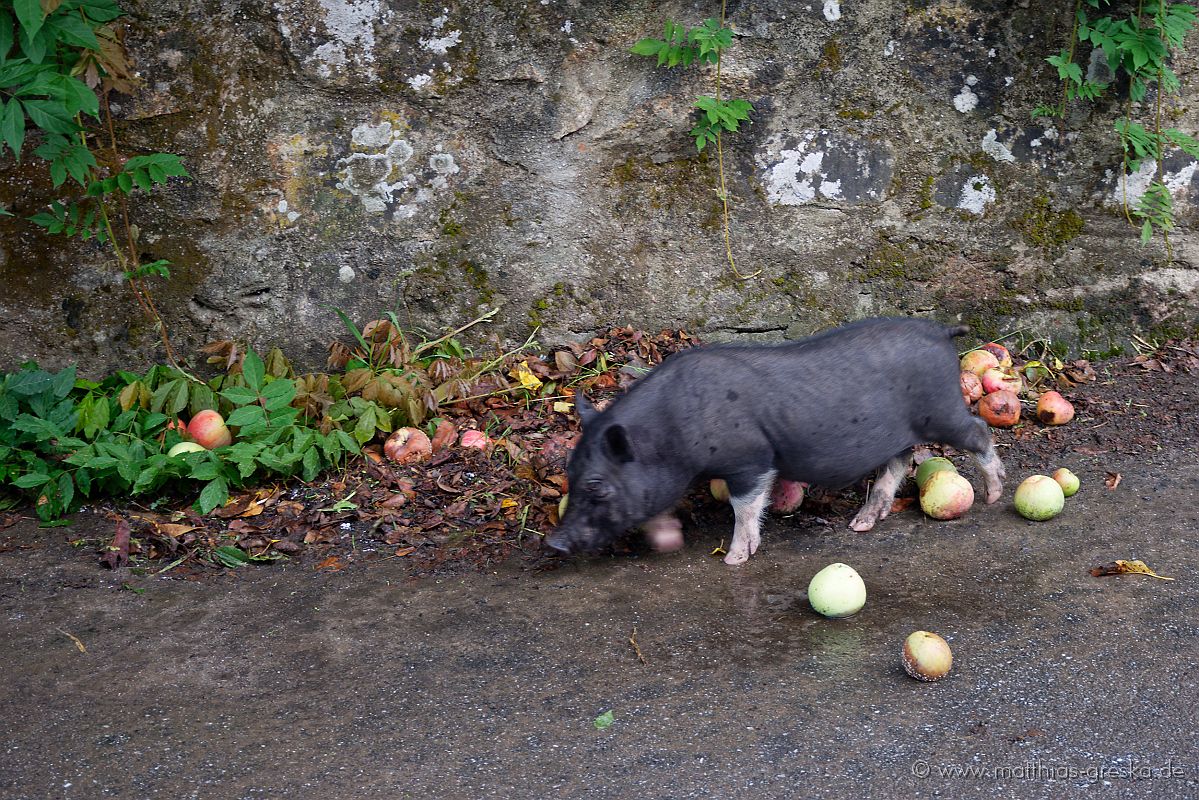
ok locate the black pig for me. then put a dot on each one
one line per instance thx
(826, 410)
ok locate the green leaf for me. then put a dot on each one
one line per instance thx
(125, 182)
(51, 116)
(200, 398)
(311, 464)
(12, 127)
(101, 10)
(176, 399)
(247, 415)
(253, 370)
(29, 12)
(604, 720)
(648, 47)
(279, 393)
(72, 30)
(77, 96)
(240, 395)
(31, 480)
(29, 382)
(230, 556)
(6, 37)
(214, 494)
(63, 382)
(35, 46)
(1146, 232)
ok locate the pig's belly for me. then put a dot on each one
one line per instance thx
(838, 466)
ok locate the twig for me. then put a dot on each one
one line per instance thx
(453, 333)
(636, 647)
(74, 639)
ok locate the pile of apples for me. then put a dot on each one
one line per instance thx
(988, 378)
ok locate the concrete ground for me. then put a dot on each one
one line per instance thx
(282, 682)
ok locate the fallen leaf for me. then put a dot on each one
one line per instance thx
(526, 377)
(563, 407)
(403, 551)
(604, 720)
(173, 530)
(902, 504)
(445, 434)
(1112, 480)
(719, 550)
(330, 564)
(1122, 567)
(117, 553)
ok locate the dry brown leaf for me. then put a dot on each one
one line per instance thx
(1112, 480)
(403, 551)
(1122, 567)
(330, 564)
(902, 504)
(173, 530)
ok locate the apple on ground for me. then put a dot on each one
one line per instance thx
(209, 429)
(1039, 498)
(978, 362)
(1053, 409)
(946, 495)
(1000, 409)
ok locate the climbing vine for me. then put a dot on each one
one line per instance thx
(717, 115)
(59, 60)
(1137, 48)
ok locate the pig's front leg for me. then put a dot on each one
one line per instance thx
(664, 532)
(747, 509)
(882, 494)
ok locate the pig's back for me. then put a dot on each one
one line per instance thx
(829, 408)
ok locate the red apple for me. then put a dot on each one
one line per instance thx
(1000, 409)
(995, 380)
(946, 495)
(474, 440)
(786, 497)
(972, 387)
(978, 361)
(1053, 409)
(408, 446)
(1001, 354)
(208, 429)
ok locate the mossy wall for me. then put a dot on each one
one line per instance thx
(440, 159)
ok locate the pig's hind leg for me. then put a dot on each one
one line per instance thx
(749, 498)
(882, 493)
(974, 435)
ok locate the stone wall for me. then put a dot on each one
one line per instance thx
(441, 159)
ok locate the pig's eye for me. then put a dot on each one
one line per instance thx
(598, 488)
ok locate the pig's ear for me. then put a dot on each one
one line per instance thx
(617, 444)
(587, 411)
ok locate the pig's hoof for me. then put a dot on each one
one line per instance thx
(862, 524)
(736, 557)
(994, 494)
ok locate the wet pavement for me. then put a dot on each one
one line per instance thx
(281, 682)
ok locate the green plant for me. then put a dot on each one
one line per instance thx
(64, 439)
(717, 115)
(59, 59)
(1138, 47)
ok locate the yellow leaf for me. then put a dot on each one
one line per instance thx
(523, 374)
(508, 502)
(719, 550)
(563, 407)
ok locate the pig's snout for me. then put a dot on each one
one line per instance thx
(560, 542)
